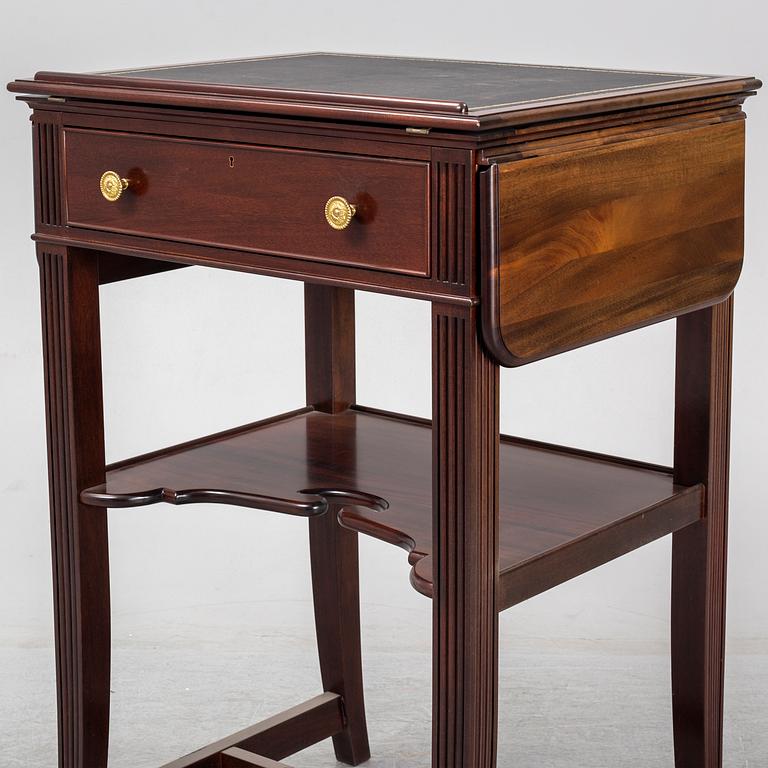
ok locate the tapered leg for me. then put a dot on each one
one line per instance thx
(71, 346)
(330, 363)
(702, 412)
(465, 568)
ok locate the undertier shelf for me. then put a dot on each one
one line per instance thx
(562, 511)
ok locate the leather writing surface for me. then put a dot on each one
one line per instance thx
(416, 93)
(480, 85)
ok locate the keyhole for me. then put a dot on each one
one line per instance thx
(231, 161)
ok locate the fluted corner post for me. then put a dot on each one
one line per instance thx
(702, 418)
(69, 282)
(465, 404)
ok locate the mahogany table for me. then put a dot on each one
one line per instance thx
(538, 209)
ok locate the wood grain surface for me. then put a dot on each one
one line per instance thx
(700, 552)
(551, 500)
(276, 737)
(587, 244)
(329, 336)
(563, 205)
(69, 286)
(255, 198)
(464, 542)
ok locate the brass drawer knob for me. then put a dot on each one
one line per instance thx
(112, 185)
(339, 212)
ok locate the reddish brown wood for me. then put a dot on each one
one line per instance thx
(114, 267)
(465, 500)
(230, 128)
(330, 372)
(454, 95)
(335, 585)
(699, 553)
(261, 199)
(588, 174)
(329, 333)
(574, 507)
(337, 275)
(380, 139)
(510, 117)
(46, 158)
(457, 122)
(257, 130)
(658, 232)
(230, 482)
(72, 357)
(277, 737)
(552, 138)
(452, 217)
(596, 547)
(240, 758)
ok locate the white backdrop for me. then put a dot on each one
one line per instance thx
(182, 349)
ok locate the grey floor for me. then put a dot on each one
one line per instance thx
(178, 685)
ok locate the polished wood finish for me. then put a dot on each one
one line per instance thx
(657, 232)
(429, 93)
(329, 340)
(261, 199)
(114, 267)
(538, 209)
(562, 511)
(231, 479)
(451, 187)
(453, 234)
(329, 315)
(598, 546)
(465, 543)
(69, 284)
(46, 161)
(335, 585)
(699, 553)
(278, 736)
(153, 250)
(240, 758)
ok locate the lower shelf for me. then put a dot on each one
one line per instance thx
(562, 511)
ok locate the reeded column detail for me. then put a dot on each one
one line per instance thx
(74, 411)
(465, 499)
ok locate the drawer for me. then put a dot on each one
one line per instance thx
(589, 243)
(252, 198)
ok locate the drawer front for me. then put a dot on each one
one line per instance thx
(252, 198)
(587, 244)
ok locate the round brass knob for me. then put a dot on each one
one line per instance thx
(339, 212)
(112, 185)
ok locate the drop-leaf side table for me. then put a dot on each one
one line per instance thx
(538, 209)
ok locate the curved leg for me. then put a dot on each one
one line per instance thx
(335, 580)
(699, 551)
(70, 318)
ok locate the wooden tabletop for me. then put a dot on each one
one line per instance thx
(414, 91)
